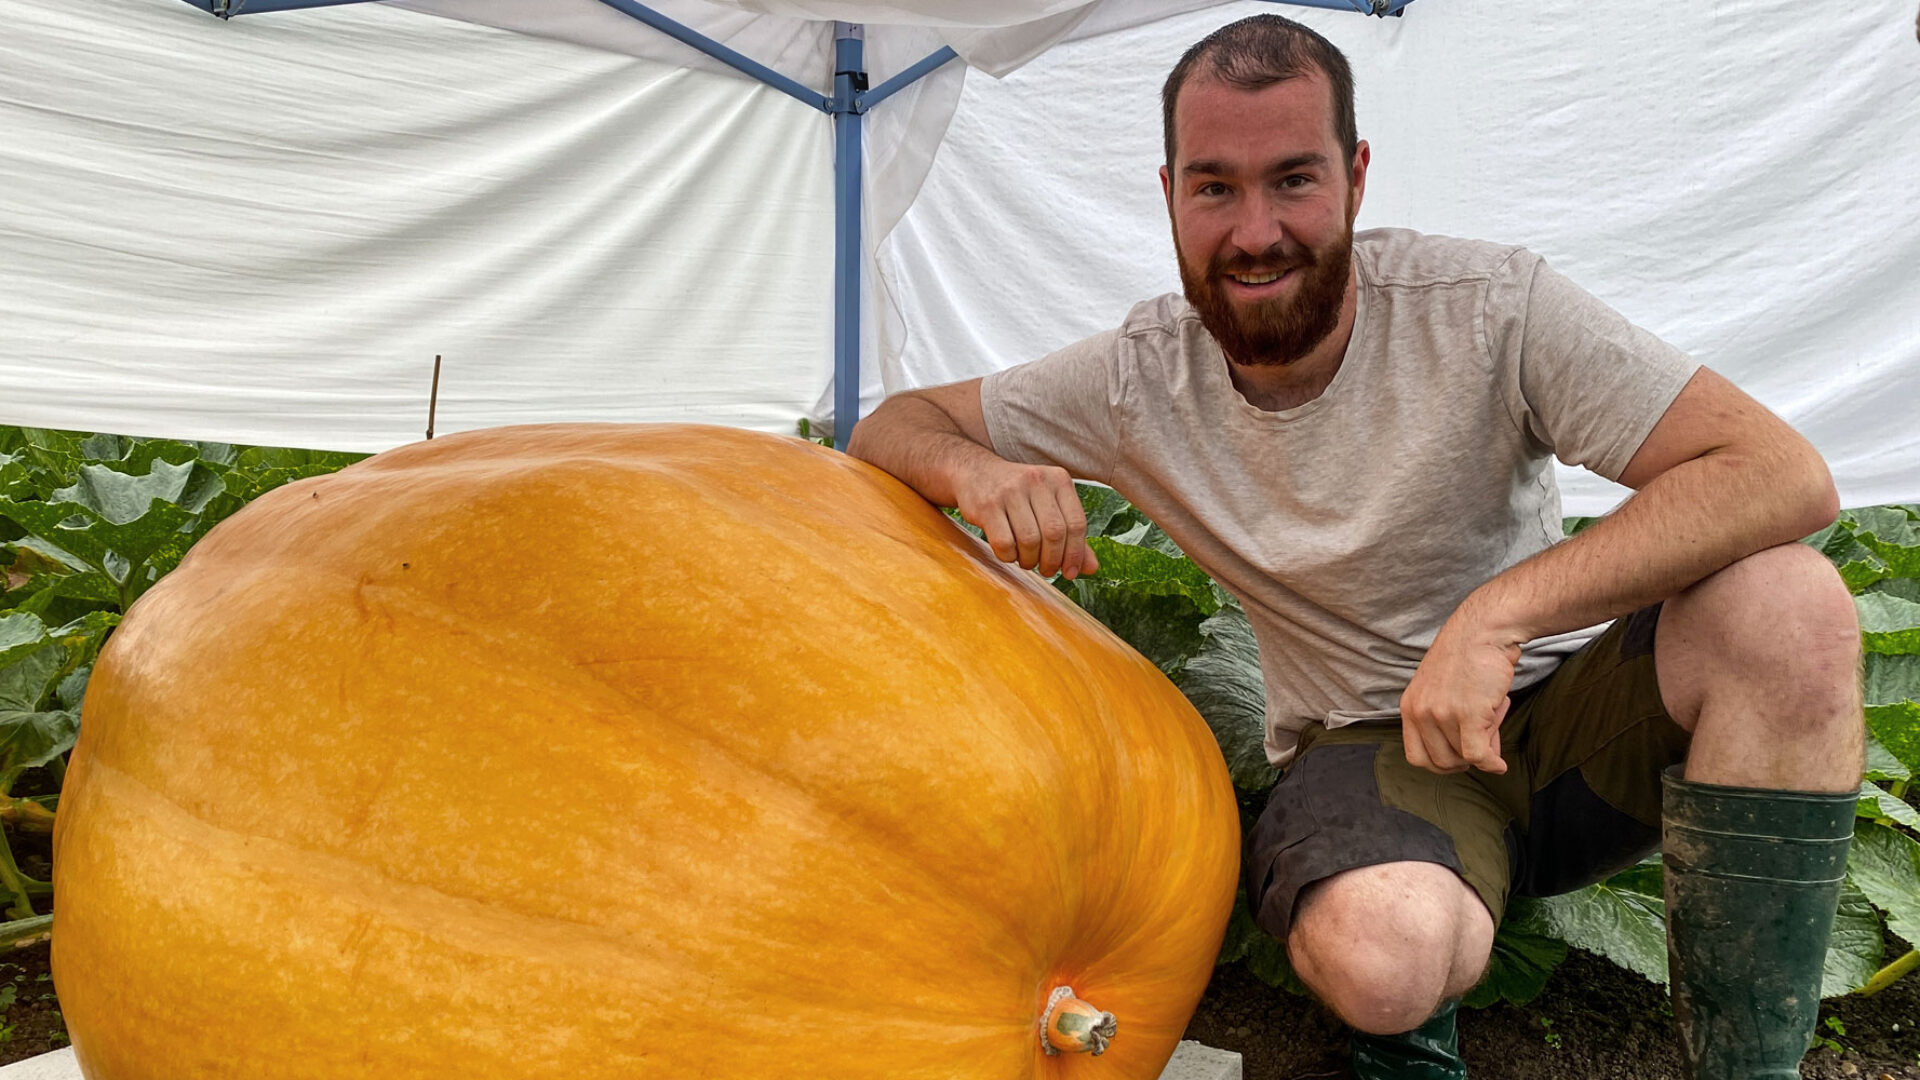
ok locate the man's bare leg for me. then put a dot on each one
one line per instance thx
(1761, 662)
(1385, 945)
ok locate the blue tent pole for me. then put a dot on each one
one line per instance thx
(849, 82)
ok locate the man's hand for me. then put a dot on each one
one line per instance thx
(935, 440)
(1450, 713)
(1031, 515)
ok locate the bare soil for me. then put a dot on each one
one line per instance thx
(1594, 1021)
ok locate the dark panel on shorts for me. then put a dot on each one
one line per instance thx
(1324, 817)
(1578, 839)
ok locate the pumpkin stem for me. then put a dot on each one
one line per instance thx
(1073, 1026)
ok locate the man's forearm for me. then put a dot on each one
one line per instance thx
(917, 441)
(1686, 523)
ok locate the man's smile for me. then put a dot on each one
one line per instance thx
(1257, 286)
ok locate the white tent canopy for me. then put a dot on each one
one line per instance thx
(263, 230)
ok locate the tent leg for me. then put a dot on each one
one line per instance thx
(849, 82)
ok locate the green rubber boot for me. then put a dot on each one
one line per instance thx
(1753, 877)
(1428, 1052)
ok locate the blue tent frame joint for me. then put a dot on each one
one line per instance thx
(849, 102)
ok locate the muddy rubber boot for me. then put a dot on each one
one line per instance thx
(1428, 1052)
(1753, 877)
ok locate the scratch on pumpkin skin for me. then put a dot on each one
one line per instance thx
(357, 943)
(361, 817)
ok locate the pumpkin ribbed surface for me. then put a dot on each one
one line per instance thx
(604, 751)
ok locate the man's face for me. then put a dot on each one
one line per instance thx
(1263, 204)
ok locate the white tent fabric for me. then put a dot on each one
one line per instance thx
(263, 230)
(1743, 179)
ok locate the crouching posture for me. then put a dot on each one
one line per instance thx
(1355, 435)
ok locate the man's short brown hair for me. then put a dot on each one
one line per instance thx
(1257, 52)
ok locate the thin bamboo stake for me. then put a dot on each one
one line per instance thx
(433, 399)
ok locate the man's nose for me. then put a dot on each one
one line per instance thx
(1257, 228)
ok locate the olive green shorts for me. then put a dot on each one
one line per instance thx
(1580, 799)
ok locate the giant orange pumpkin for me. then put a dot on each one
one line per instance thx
(596, 752)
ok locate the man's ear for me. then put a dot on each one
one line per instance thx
(1362, 156)
(1166, 186)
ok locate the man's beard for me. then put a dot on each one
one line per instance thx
(1281, 330)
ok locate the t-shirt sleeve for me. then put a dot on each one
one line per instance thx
(1583, 383)
(1062, 409)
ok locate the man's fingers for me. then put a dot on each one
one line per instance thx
(1480, 745)
(1427, 748)
(1074, 555)
(999, 534)
(1427, 745)
(1053, 536)
(1442, 752)
(1026, 532)
(1416, 746)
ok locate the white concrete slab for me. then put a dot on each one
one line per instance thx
(59, 1065)
(1191, 1061)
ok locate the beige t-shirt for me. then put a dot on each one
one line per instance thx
(1351, 527)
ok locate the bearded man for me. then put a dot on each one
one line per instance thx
(1355, 436)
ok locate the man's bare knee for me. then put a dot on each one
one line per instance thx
(1776, 629)
(1384, 945)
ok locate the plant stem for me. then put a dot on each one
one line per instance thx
(22, 907)
(26, 815)
(1890, 974)
(26, 931)
(1898, 789)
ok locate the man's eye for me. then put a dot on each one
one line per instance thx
(1210, 190)
(1296, 180)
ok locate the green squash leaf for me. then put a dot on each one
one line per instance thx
(51, 595)
(1856, 946)
(1892, 536)
(1108, 513)
(29, 740)
(1904, 588)
(1521, 964)
(1224, 684)
(1897, 728)
(1882, 765)
(1151, 572)
(121, 498)
(1164, 629)
(1891, 679)
(16, 479)
(20, 633)
(1889, 624)
(1620, 919)
(1885, 865)
(27, 681)
(1878, 804)
(306, 462)
(72, 690)
(1264, 956)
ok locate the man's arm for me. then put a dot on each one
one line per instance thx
(935, 440)
(1717, 479)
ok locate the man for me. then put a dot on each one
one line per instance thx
(1354, 436)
